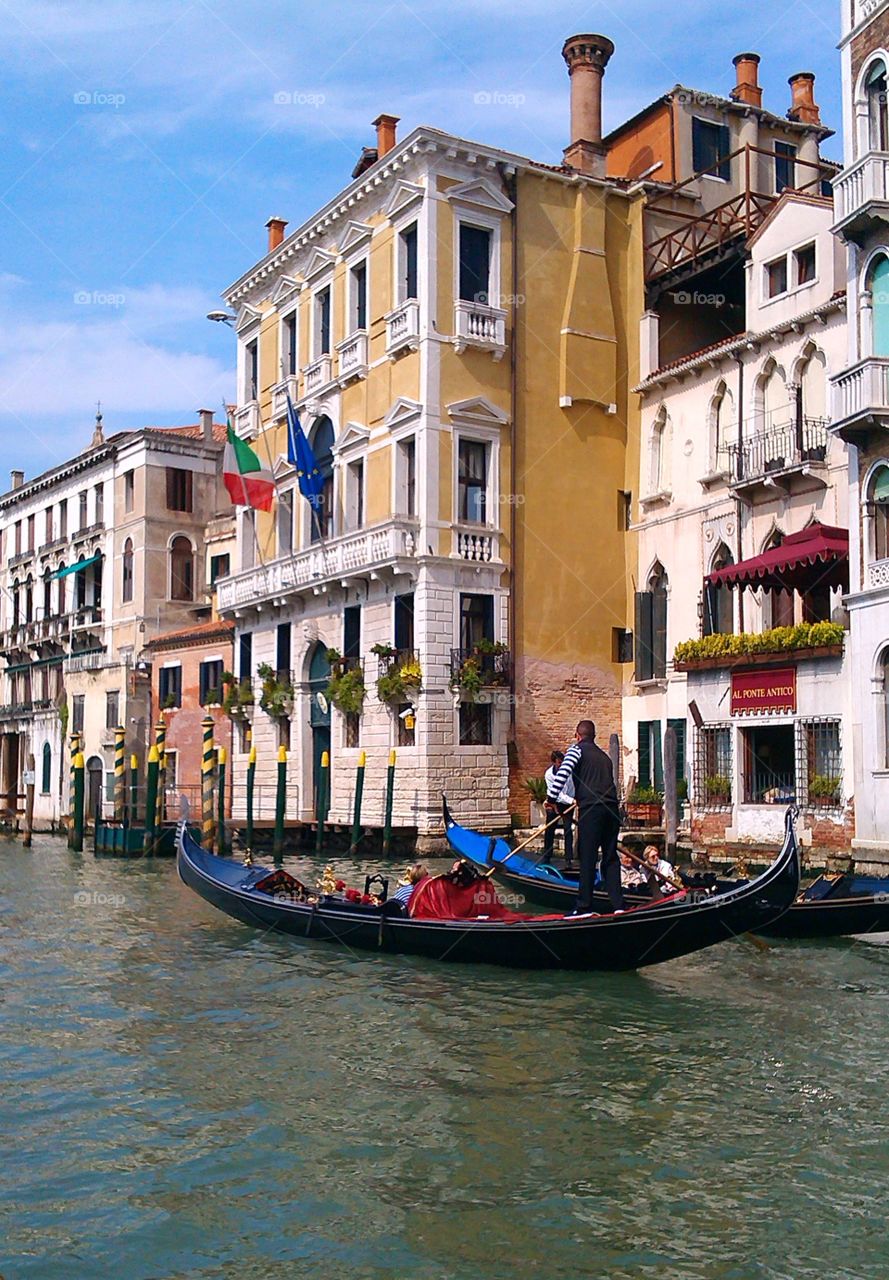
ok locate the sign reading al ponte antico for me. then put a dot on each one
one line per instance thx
(763, 692)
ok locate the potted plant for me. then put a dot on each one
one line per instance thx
(238, 696)
(346, 690)
(401, 681)
(717, 789)
(537, 790)
(469, 678)
(479, 670)
(824, 791)
(645, 806)
(169, 703)
(212, 698)
(276, 695)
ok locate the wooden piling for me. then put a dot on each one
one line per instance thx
(120, 778)
(76, 842)
(208, 761)
(321, 801)
(671, 803)
(151, 801)
(359, 793)
(221, 833)
(614, 756)
(280, 802)
(251, 785)
(160, 739)
(390, 794)
(29, 803)
(134, 790)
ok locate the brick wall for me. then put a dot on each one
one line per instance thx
(184, 725)
(874, 36)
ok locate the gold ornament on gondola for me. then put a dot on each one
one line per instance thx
(327, 883)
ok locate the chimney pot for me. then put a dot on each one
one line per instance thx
(747, 79)
(206, 420)
(276, 231)
(386, 136)
(17, 479)
(803, 107)
(586, 57)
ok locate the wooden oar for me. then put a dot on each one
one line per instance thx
(533, 836)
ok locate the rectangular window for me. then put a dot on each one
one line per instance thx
(31, 525)
(785, 169)
(82, 509)
(112, 709)
(322, 322)
(352, 631)
(804, 264)
(77, 705)
(407, 280)
(245, 655)
(355, 495)
(169, 686)
(358, 282)
(220, 567)
(621, 645)
(475, 724)
(475, 263)
(285, 523)
(404, 621)
(48, 525)
(476, 620)
(179, 489)
(472, 482)
(129, 490)
(210, 682)
(251, 370)
(769, 764)
(710, 145)
(351, 729)
(63, 518)
(409, 473)
(100, 503)
(819, 763)
(282, 650)
(624, 510)
(651, 760)
(18, 538)
(776, 277)
(288, 343)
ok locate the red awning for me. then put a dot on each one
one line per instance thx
(816, 556)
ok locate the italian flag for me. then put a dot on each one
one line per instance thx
(249, 484)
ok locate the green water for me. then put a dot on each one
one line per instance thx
(183, 1097)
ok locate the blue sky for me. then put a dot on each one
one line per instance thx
(145, 144)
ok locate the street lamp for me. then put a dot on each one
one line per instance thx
(222, 317)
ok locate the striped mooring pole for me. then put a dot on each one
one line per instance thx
(251, 785)
(221, 835)
(151, 801)
(207, 764)
(356, 812)
(390, 792)
(77, 807)
(120, 773)
(322, 800)
(280, 802)
(75, 743)
(134, 789)
(160, 740)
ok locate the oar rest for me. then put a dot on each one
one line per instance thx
(378, 886)
(281, 884)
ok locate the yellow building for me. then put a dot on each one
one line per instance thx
(458, 328)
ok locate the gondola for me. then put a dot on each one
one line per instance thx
(641, 936)
(832, 907)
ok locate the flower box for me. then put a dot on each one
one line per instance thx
(729, 661)
(647, 814)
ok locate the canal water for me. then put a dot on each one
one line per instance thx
(181, 1096)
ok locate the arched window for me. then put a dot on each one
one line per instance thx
(658, 477)
(63, 588)
(651, 626)
(878, 121)
(47, 593)
(126, 590)
(16, 603)
(29, 599)
(181, 569)
(878, 511)
(98, 571)
(723, 430)
(777, 605)
(878, 287)
(719, 600)
(322, 446)
(811, 406)
(46, 771)
(772, 401)
(80, 588)
(885, 707)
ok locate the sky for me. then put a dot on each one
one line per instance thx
(144, 145)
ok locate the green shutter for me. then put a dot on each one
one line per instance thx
(643, 639)
(657, 757)
(644, 779)
(678, 726)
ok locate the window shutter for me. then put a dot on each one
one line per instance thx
(659, 633)
(657, 758)
(725, 148)
(644, 779)
(678, 727)
(711, 608)
(644, 637)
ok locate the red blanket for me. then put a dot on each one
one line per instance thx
(438, 898)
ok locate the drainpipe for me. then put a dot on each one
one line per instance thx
(512, 187)
(738, 504)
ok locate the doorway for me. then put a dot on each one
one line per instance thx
(769, 764)
(95, 772)
(319, 717)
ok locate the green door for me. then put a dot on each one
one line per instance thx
(319, 715)
(880, 296)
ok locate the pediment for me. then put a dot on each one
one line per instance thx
(402, 411)
(355, 235)
(354, 435)
(247, 316)
(320, 261)
(283, 467)
(480, 194)
(404, 194)
(286, 289)
(478, 409)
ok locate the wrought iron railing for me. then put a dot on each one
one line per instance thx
(780, 448)
(494, 666)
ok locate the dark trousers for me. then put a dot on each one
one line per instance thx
(598, 828)
(549, 835)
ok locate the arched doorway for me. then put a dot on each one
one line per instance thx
(319, 714)
(95, 772)
(879, 289)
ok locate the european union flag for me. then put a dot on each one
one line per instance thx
(300, 455)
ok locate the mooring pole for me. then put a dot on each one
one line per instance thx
(74, 748)
(280, 802)
(221, 841)
(614, 755)
(77, 824)
(120, 778)
(134, 789)
(390, 793)
(356, 812)
(207, 761)
(322, 801)
(29, 803)
(671, 800)
(160, 739)
(251, 784)
(151, 800)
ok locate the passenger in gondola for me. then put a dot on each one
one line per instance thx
(661, 873)
(412, 877)
(564, 808)
(598, 823)
(631, 874)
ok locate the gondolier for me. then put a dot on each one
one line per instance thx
(598, 822)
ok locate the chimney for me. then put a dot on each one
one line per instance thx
(803, 107)
(747, 80)
(385, 126)
(206, 419)
(586, 57)
(276, 232)
(17, 479)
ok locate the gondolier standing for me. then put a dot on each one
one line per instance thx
(598, 823)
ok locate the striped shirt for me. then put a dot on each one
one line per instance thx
(591, 771)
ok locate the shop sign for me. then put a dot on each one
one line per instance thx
(763, 692)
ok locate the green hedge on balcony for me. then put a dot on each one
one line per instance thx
(806, 635)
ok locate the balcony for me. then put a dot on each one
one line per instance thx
(318, 375)
(21, 557)
(88, 530)
(316, 567)
(878, 573)
(861, 399)
(780, 458)
(860, 194)
(91, 660)
(246, 420)
(486, 665)
(353, 357)
(288, 385)
(87, 615)
(403, 328)
(473, 543)
(54, 544)
(478, 325)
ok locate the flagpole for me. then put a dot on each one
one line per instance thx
(313, 509)
(246, 503)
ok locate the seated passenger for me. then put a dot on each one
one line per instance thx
(653, 858)
(412, 877)
(631, 874)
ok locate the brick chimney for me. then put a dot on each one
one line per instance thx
(276, 232)
(586, 57)
(385, 127)
(803, 107)
(17, 479)
(206, 420)
(747, 80)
